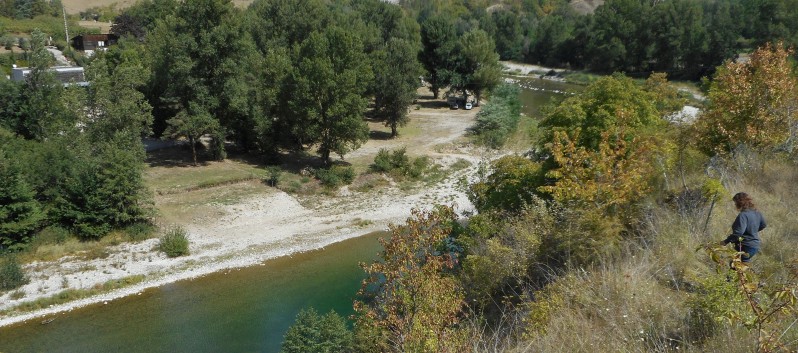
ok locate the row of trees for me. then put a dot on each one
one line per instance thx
(30, 8)
(72, 157)
(267, 79)
(262, 79)
(685, 38)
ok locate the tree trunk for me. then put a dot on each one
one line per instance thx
(393, 130)
(193, 143)
(476, 97)
(325, 156)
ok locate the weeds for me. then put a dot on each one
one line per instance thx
(174, 242)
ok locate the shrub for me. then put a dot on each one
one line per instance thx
(398, 164)
(335, 176)
(174, 242)
(140, 231)
(11, 274)
(274, 174)
(498, 119)
(312, 332)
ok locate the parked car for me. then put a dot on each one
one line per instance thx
(468, 106)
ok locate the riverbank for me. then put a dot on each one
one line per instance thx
(267, 224)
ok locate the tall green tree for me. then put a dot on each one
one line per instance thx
(200, 58)
(480, 70)
(285, 23)
(396, 76)
(312, 332)
(326, 95)
(41, 115)
(115, 102)
(439, 52)
(20, 213)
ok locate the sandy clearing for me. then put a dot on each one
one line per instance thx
(271, 224)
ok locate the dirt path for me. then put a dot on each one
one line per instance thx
(274, 223)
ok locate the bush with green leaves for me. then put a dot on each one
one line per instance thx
(11, 274)
(498, 119)
(273, 176)
(336, 176)
(174, 242)
(398, 164)
(312, 332)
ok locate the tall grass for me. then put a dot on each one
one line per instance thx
(662, 294)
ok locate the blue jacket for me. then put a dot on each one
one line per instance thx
(747, 226)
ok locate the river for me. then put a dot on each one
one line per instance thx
(242, 310)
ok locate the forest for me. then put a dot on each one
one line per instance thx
(603, 236)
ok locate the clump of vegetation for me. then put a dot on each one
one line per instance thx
(140, 231)
(399, 165)
(335, 176)
(312, 332)
(11, 274)
(174, 242)
(273, 175)
(498, 119)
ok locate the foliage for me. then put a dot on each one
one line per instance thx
(769, 309)
(11, 274)
(20, 213)
(439, 41)
(335, 176)
(752, 103)
(327, 87)
(174, 242)
(502, 251)
(607, 179)
(613, 104)
(398, 164)
(312, 332)
(509, 186)
(499, 119)
(396, 73)
(414, 304)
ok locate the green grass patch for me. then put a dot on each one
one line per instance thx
(70, 295)
(172, 180)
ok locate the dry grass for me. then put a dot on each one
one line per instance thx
(76, 6)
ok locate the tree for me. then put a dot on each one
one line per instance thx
(104, 188)
(414, 303)
(752, 103)
(438, 55)
(192, 124)
(40, 117)
(613, 104)
(619, 36)
(20, 213)
(480, 70)
(509, 186)
(508, 35)
(200, 61)
(312, 332)
(277, 23)
(115, 103)
(396, 75)
(327, 100)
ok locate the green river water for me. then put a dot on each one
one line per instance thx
(243, 310)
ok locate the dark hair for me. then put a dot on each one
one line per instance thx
(743, 201)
